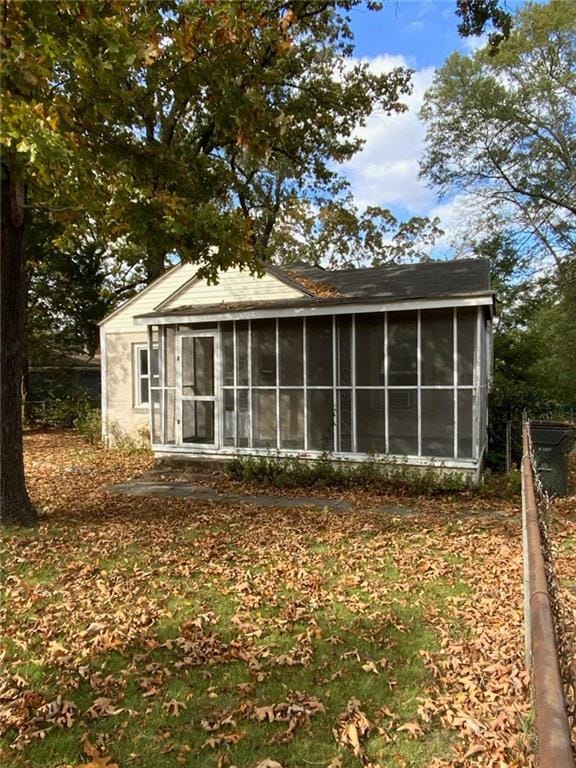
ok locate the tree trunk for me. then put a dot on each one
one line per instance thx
(15, 505)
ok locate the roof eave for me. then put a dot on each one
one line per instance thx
(315, 306)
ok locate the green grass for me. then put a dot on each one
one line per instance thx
(334, 675)
(340, 601)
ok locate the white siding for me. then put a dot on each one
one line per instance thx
(179, 288)
(123, 319)
(122, 418)
(235, 285)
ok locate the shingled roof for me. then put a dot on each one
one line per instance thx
(393, 282)
(399, 281)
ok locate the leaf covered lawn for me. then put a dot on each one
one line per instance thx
(172, 632)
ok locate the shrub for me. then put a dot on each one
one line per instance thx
(58, 411)
(379, 473)
(504, 485)
(89, 425)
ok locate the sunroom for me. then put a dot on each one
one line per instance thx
(397, 365)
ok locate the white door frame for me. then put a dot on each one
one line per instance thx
(180, 397)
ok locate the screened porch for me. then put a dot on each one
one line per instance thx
(402, 383)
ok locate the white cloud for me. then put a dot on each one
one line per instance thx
(463, 217)
(473, 44)
(385, 171)
(454, 215)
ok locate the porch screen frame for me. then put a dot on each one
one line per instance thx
(454, 386)
(478, 387)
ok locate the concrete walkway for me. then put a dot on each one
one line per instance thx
(189, 490)
(185, 489)
(199, 485)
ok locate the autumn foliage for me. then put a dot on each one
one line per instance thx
(168, 631)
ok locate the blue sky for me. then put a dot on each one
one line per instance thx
(419, 34)
(422, 31)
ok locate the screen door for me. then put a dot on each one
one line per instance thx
(198, 411)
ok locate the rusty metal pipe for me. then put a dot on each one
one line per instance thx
(552, 727)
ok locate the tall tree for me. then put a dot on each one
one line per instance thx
(164, 112)
(76, 276)
(502, 127)
(336, 233)
(258, 107)
(553, 324)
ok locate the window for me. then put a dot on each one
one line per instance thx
(142, 372)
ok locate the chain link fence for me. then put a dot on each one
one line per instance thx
(562, 617)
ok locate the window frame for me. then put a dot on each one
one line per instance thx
(137, 403)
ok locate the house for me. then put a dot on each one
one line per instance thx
(390, 360)
(56, 383)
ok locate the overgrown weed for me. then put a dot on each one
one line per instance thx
(378, 473)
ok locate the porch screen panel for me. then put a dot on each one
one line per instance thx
(187, 365)
(264, 353)
(291, 352)
(403, 422)
(161, 369)
(170, 357)
(466, 345)
(242, 353)
(319, 351)
(482, 388)
(227, 337)
(264, 418)
(229, 416)
(155, 415)
(198, 365)
(370, 420)
(438, 422)
(465, 423)
(402, 349)
(292, 419)
(320, 420)
(344, 349)
(198, 421)
(344, 415)
(170, 420)
(370, 350)
(168, 377)
(437, 352)
(155, 341)
(243, 419)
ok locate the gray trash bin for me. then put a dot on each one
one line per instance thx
(552, 441)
